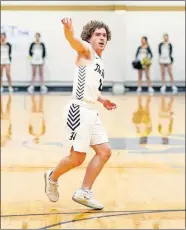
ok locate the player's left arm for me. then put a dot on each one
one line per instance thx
(107, 103)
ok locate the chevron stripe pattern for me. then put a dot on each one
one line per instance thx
(73, 120)
(81, 82)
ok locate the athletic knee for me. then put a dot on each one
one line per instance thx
(105, 153)
(77, 158)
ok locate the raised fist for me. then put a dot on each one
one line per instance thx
(67, 22)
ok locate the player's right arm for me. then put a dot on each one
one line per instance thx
(77, 44)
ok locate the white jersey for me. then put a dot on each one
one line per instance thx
(88, 79)
(82, 125)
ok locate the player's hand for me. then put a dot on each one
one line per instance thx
(109, 105)
(67, 22)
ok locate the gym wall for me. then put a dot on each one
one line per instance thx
(127, 20)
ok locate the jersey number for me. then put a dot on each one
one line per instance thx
(100, 85)
(73, 136)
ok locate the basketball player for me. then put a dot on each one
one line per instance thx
(82, 123)
(37, 52)
(165, 58)
(6, 52)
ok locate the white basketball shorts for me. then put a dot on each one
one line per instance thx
(82, 128)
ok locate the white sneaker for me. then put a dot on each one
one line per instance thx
(163, 89)
(151, 90)
(174, 89)
(84, 197)
(30, 89)
(44, 89)
(51, 187)
(139, 90)
(10, 89)
(2, 89)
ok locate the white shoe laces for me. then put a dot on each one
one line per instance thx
(88, 194)
(53, 187)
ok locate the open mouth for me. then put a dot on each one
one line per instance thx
(101, 43)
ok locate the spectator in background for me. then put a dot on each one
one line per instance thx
(6, 52)
(166, 60)
(144, 56)
(37, 52)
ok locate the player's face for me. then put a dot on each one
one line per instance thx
(98, 40)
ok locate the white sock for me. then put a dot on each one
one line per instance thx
(53, 181)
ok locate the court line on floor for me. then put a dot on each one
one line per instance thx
(106, 216)
(89, 212)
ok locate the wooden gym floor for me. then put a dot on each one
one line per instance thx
(142, 185)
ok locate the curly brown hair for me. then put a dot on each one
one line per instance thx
(90, 28)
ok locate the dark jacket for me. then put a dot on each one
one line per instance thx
(170, 50)
(149, 52)
(43, 47)
(9, 50)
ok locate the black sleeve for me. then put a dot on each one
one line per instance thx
(137, 52)
(9, 50)
(30, 49)
(170, 49)
(150, 52)
(44, 50)
(159, 48)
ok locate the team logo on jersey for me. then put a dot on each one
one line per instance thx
(99, 70)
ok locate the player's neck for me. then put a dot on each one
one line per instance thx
(98, 52)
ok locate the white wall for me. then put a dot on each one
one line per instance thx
(61, 3)
(127, 29)
(127, 3)
(153, 3)
(153, 25)
(60, 57)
